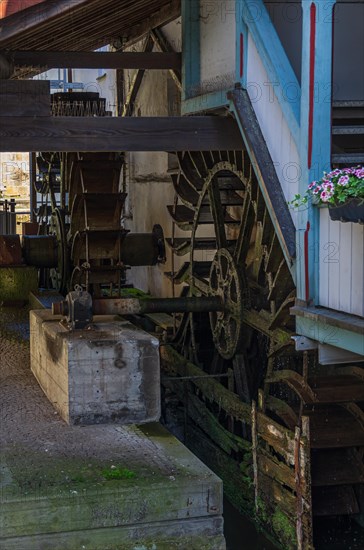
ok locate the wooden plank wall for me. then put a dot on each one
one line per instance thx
(341, 259)
(276, 459)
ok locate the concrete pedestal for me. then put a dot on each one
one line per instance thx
(99, 487)
(108, 373)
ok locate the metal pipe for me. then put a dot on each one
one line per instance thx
(134, 306)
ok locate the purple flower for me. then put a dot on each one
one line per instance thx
(349, 170)
(344, 180)
(312, 184)
(324, 196)
(334, 173)
(317, 190)
(359, 172)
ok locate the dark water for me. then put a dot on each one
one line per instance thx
(240, 533)
(340, 533)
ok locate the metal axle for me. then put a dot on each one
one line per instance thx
(79, 307)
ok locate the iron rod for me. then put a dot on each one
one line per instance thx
(134, 306)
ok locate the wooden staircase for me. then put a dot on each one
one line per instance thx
(333, 399)
(347, 133)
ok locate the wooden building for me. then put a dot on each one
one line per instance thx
(224, 111)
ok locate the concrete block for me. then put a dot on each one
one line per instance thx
(108, 373)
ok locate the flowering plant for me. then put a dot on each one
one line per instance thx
(335, 188)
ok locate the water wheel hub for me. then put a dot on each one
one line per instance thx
(226, 283)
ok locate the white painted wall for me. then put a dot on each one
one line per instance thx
(341, 265)
(149, 184)
(217, 35)
(274, 127)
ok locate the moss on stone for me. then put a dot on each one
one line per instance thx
(16, 283)
(284, 529)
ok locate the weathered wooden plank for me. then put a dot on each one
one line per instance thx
(267, 177)
(117, 134)
(24, 98)
(206, 420)
(95, 60)
(212, 390)
(279, 437)
(278, 471)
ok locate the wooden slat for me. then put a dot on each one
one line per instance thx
(279, 471)
(174, 363)
(264, 168)
(95, 60)
(94, 134)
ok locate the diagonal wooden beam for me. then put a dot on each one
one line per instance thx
(94, 134)
(128, 108)
(164, 46)
(95, 60)
(164, 15)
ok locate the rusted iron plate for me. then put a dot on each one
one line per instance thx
(10, 250)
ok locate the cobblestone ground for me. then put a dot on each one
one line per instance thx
(32, 431)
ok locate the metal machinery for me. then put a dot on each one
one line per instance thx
(82, 241)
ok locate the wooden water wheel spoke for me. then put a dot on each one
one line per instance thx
(227, 200)
(217, 214)
(245, 229)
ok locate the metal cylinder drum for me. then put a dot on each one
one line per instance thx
(40, 250)
(142, 249)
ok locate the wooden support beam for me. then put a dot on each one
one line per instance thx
(24, 98)
(94, 60)
(128, 108)
(94, 134)
(164, 15)
(163, 45)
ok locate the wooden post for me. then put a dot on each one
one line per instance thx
(191, 64)
(305, 485)
(255, 454)
(231, 388)
(315, 151)
(297, 468)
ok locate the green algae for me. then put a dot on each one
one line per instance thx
(16, 283)
(118, 473)
(284, 529)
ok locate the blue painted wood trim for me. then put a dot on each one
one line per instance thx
(191, 64)
(334, 336)
(275, 60)
(205, 102)
(321, 133)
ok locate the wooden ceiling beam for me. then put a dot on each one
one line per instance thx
(95, 60)
(94, 134)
